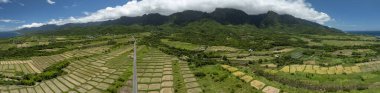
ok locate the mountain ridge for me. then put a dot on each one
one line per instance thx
(225, 16)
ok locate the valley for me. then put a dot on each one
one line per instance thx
(215, 52)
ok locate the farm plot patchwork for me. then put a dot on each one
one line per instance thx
(252, 58)
(155, 73)
(185, 80)
(347, 43)
(259, 85)
(161, 73)
(345, 37)
(369, 66)
(221, 48)
(315, 69)
(182, 45)
(10, 68)
(43, 62)
(27, 44)
(85, 75)
(96, 50)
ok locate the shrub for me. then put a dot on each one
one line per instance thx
(200, 74)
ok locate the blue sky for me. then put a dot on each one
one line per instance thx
(29, 11)
(351, 14)
(348, 15)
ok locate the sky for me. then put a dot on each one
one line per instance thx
(351, 15)
(347, 15)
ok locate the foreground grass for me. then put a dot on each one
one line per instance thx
(122, 61)
(343, 79)
(216, 80)
(179, 83)
(347, 43)
(182, 45)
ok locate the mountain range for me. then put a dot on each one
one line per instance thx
(225, 16)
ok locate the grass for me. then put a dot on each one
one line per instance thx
(345, 37)
(284, 88)
(6, 46)
(123, 59)
(333, 61)
(345, 52)
(182, 45)
(120, 62)
(347, 43)
(370, 79)
(342, 79)
(179, 83)
(217, 80)
(255, 58)
(221, 48)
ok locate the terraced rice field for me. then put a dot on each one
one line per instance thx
(45, 61)
(157, 73)
(190, 81)
(259, 85)
(23, 45)
(182, 45)
(357, 68)
(9, 68)
(90, 75)
(38, 64)
(347, 43)
(369, 66)
(221, 48)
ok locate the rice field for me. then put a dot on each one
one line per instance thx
(346, 37)
(253, 58)
(181, 45)
(259, 85)
(221, 49)
(347, 43)
(10, 68)
(38, 64)
(43, 62)
(156, 74)
(345, 52)
(90, 74)
(333, 70)
(284, 50)
(27, 44)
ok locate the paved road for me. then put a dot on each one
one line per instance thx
(134, 68)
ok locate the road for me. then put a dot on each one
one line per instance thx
(135, 87)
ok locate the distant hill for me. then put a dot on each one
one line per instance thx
(225, 16)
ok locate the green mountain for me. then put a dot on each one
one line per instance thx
(225, 16)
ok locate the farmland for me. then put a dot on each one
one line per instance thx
(95, 66)
(334, 65)
(158, 72)
(171, 62)
(182, 45)
(187, 46)
(86, 75)
(103, 65)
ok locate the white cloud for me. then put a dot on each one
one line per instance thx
(86, 13)
(31, 25)
(4, 1)
(70, 6)
(6, 28)
(297, 8)
(11, 21)
(21, 4)
(50, 2)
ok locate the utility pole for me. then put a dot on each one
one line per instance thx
(134, 67)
